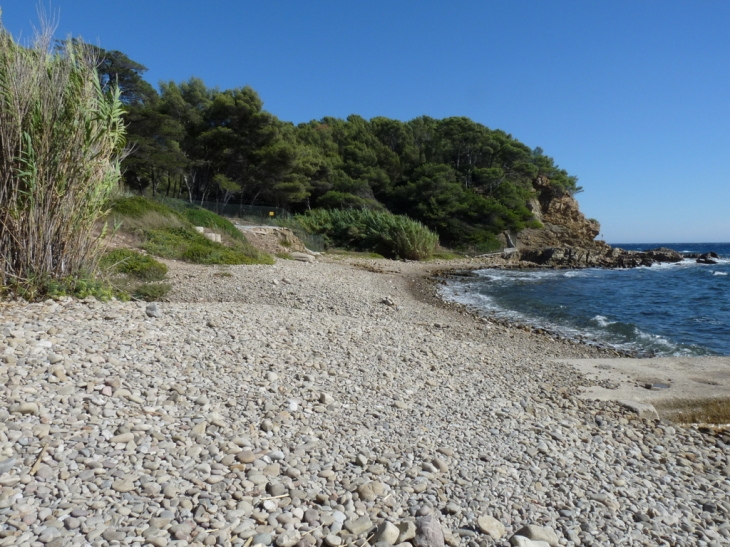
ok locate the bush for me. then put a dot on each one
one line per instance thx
(79, 286)
(344, 200)
(198, 216)
(167, 228)
(152, 292)
(127, 261)
(188, 245)
(138, 206)
(394, 236)
(62, 139)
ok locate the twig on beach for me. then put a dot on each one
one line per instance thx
(274, 497)
(37, 464)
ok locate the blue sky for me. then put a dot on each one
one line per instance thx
(633, 97)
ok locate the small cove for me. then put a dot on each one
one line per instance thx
(665, 310)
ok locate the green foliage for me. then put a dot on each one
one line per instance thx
(188, 245)
(443, 254)
(391, 235)
(462, 179)
(127, 261)
(152, 292)
(197, 216)
(62, 137)
(345, 200)
(172, 234)
(79, 286)
(138, 206)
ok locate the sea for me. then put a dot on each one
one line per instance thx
(680, 309)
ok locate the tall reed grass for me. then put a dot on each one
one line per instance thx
(61, 140)
(395, 236)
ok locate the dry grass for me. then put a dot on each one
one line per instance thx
(61, 141)
(150, 220)
(712, 411)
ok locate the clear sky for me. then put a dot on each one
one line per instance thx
(633, 97)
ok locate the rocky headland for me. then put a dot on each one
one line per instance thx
(328, 403)
(568, 239)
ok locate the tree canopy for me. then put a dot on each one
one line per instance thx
(464, 180)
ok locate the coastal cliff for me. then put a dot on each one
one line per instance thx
(563, 222)
(568, 238)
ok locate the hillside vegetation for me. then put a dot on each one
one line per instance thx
(167, 230)
(463, 180)
(77, 122)
(392, 236)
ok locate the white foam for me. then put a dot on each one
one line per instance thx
(603, 321)
(596, 331)
(719, 273)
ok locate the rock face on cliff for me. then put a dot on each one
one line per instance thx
(563, 223)
(568, 238)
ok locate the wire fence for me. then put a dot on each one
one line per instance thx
(261, 213)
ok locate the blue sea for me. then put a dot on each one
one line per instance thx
(663, 310)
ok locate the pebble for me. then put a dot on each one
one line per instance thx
(262, 539)
(359, 526)
(7, 465)
(539, 533)
(25, 408)
(153, 310)
(123, 485)
(491, 526)
(122, 438)
(166, 432)
(428, 532)
(387, 532)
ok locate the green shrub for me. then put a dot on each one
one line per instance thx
(77, 286)
(390, 235)
(188, 245)
(138, 206)
(152, 291)
(344, 200)
(198, 216)
(127, 261)
(167, 227)
(444, 254)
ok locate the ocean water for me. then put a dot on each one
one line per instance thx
(664, 310)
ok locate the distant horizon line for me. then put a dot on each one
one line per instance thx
(670, 243)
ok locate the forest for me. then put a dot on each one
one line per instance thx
(460, 178)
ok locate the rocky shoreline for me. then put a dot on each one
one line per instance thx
(328, 403)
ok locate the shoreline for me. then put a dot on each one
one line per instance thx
(308, 404)
(439, 278)
(451, 278)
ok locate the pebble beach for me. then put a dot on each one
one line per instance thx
(331, 403)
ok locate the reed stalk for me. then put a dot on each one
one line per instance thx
(61, 141)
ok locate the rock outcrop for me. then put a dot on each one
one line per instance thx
(563, 223)
(568, 238)
(577, 257)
